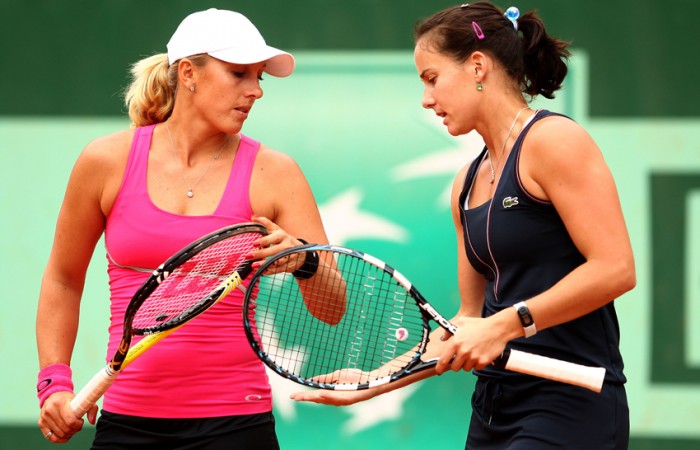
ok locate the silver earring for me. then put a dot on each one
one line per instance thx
(479, 87)
(192, 88)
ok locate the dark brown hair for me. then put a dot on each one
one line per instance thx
(529, 55)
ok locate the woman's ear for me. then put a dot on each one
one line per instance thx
(185, 72)
(478, 63)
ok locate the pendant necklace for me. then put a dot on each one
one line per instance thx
(498, 160)
(190, 189)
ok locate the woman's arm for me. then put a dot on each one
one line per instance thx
(281, 193)
(562, 164)
(79, 227)
(284, 203)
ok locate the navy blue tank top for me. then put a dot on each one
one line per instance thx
(521, 246)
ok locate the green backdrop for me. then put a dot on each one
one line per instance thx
(380, 167)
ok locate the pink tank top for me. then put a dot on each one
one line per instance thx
(206, 368)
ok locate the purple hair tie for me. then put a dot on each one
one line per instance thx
(477, 30)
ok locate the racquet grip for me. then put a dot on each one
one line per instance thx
(96, 387)
(555, 369)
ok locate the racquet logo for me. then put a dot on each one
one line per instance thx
(438, 317)
(401, 334)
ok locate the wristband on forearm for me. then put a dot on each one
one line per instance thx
(310, 266)
(53, 378)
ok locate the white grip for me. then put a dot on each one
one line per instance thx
(557, 370)
(92, 391)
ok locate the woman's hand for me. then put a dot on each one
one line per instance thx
(335, 398)
(276, 241)
(57, 420)
(477, 343)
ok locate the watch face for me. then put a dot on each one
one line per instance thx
(525, 317)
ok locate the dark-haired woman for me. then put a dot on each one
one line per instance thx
(543, 246)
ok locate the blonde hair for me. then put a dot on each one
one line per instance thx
(150, 97)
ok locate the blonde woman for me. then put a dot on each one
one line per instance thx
(184, 169)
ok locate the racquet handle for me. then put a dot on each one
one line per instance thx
(554, 369)
(96, 387)
(102, 380)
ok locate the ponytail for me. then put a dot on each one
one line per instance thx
(544, 58)
(151, 95)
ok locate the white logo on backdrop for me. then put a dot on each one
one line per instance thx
(441, 162)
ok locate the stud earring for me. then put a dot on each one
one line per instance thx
(479, 87)
(192, 88)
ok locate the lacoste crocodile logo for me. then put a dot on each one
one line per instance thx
(510, 201)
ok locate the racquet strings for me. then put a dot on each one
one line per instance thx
(183, 291)
(381, 328)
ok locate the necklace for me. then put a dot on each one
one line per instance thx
(190, 189)
(498, 161)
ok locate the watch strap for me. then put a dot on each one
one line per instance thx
(526, 320)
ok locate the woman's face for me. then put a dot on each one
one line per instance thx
(446, 88)
(225, 93)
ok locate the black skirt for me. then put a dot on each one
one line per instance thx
(525, 413)
(117, 432)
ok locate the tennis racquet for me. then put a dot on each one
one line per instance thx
(381, 336)
(184, 286)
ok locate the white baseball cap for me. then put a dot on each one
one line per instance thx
(228, 36)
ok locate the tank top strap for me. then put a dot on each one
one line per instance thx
(510, 169)
(470, 177)
(539, 115)
(134, 180)
(236, 196)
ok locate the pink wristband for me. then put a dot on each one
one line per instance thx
(52, 379)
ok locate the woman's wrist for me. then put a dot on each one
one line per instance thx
(508, 324)
(53, 378)
(309, 266)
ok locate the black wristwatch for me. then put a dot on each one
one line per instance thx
(526, 319)
(309, 266)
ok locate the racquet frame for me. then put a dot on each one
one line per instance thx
(126, 354)
(515, 360)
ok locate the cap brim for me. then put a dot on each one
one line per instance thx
(279, 63)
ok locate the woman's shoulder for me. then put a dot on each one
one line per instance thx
(118, 141)
(557, 141)
(108, 149)
(554, 131)
(104, 158)
(112, 142)
(273, 159)
(554, 125)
